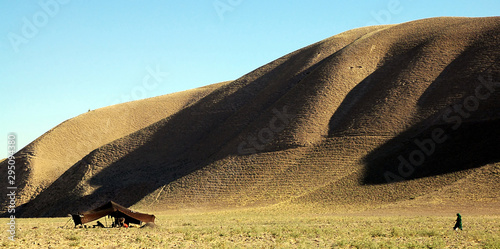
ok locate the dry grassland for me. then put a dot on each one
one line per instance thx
(266, 229)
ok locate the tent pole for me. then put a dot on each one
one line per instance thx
(66, 223)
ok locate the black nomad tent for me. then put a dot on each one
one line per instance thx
(114, 210)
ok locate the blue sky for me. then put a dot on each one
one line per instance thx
(60, 58)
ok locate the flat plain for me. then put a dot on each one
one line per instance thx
(265, 228)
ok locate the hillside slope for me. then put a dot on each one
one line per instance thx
(366, 118)
(44, 160)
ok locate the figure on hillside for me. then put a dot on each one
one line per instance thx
(458, 224)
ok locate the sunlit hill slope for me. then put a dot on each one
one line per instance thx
(395, 115)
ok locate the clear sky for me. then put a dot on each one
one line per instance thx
(60, 58)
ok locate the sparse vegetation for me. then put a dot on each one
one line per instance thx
(265, 229)
(363, 103)
(328, 125)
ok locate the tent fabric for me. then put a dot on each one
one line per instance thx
(115, 210)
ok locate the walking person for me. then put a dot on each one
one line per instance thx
(458, 223)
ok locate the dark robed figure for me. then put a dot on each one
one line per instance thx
(458, 224)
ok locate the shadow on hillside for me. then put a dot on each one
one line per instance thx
(197, 136)
(372, 87)
(189, 140)
(440, 144)
(407, 156)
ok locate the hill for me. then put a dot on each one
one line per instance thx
(382, 116)
(44, 160)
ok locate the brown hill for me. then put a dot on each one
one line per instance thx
(44, 160)
(372, 117)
